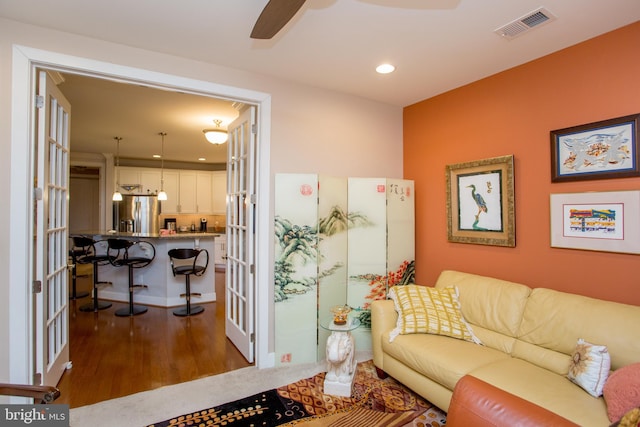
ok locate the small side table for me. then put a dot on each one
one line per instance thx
(341, 361)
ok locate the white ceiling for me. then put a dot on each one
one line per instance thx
(436, 45)
(103, 109)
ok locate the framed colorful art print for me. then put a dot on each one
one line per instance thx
(600, 150)
(596, 221)
(480, 202)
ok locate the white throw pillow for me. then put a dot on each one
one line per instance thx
(590, 367)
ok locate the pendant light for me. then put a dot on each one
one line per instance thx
(216, 136)
(117, 196)
(162, 195)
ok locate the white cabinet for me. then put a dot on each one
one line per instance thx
(147, 180)
(128, 176)
(171, 179)
(204, 192)
(219, 192)
(188, 192)
(220, 249)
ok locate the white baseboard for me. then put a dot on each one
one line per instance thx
(155, 301)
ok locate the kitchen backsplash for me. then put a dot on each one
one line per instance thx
(215, 223)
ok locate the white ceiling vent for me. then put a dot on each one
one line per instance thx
(525, 23)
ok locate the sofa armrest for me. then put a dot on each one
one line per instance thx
(383, 319)
(479, 404)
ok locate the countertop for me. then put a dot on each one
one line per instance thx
(177, 235)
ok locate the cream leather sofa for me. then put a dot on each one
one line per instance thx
(528, 338)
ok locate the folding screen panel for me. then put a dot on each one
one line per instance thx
(296, 268)
(381, 244)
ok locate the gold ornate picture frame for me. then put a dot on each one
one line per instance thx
(480, 202)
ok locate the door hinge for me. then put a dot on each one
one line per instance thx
(37, 193)
(252, 269)
(253, 198)
(253, 337)
(254, 129)
(39, 101)
(37, 378)
(37, 286)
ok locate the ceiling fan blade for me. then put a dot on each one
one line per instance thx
(274, 16)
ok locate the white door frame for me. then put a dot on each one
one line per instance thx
(24, 61)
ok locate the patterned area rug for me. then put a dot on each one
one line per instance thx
(374, 402)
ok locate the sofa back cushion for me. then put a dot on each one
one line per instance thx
(553, 322)
(492, 307)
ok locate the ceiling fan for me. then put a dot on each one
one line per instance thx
(274, 16)
(277, 13)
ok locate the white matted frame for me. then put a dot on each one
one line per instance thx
(596, 221)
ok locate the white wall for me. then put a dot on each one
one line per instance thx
(312, 130)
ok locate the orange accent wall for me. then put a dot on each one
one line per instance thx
(512, 113)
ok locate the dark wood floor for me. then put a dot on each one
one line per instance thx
(116, 356)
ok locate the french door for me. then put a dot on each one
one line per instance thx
(240, 283)
(50, 250)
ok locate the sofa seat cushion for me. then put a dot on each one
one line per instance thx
(442, 359)
(545, 388)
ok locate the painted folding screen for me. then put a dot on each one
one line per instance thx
(338, 241)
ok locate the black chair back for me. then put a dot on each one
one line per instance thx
(121, 252)
(198, 261)
(82, 246)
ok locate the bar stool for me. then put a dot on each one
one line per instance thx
(89, 255)
(74, 253)
(131, 254)
(185, 262)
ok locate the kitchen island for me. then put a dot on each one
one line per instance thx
(163, 289)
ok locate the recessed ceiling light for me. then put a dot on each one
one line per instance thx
(202, 159)
(156, 156)
(385, 68)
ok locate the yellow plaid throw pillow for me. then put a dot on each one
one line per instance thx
(427, 310)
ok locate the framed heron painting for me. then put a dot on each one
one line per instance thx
(480, 202)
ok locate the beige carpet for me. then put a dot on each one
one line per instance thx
(147, 407)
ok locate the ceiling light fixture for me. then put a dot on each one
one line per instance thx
(385, 68)
(162, 195)
(216, 136)
(117, 196)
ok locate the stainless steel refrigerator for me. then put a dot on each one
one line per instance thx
(138, 213)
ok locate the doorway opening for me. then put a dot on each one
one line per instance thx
(89, 180)
(25, 62)
(84, 200)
